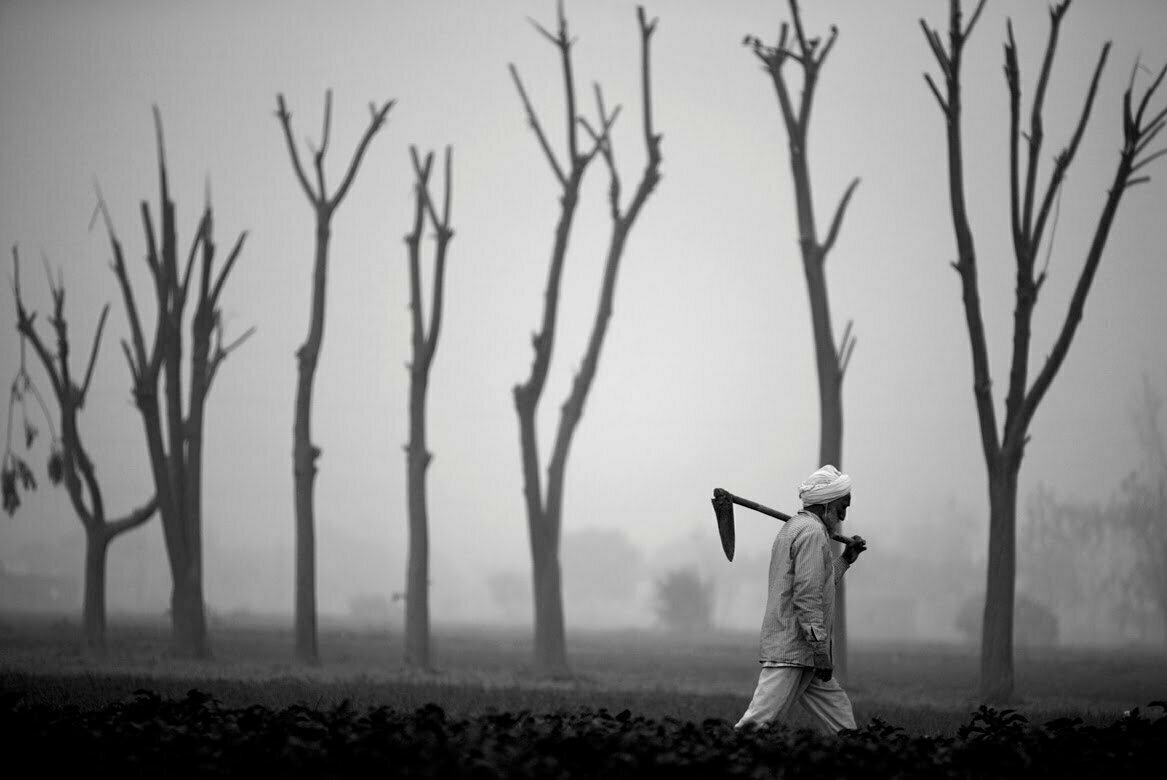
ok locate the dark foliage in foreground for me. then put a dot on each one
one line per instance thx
(197, 736)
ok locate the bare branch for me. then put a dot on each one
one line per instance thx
(833, 233)
(318, 154)
(1147, 96)
(227, 266)
(222, 352)
(936, 93)
(449, 184)
(830, 44)
(651, 139)
(234, 345)
(1063, 160)
(443, 240)
(1148, 137)
(93, 353)
(533, 120)
(119, 268)
(134, 518)
(1036, 131)
(201, 236)
(422, 173)
(1147, 160)
(543, 31)
(937, 47)
(798, 31)
(286, 121)
(413, 241)
(375, 124)
(973, 21)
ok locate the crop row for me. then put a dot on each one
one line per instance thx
(197, 736)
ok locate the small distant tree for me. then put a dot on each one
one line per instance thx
(1035, 623)
(304, 452)
(174, 423)
(545, 506)
(684, 601)
(69, 462)
(1143, 518)
(1031, 211)
(1106, 558)
(425, 343)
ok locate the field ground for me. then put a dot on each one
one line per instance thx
(926, 689)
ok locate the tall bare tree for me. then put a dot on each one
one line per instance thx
(425, 342)
(1030, 211)
(68, 460)
(810, 55)
(545, 509)
(174, 428)
(304, 452)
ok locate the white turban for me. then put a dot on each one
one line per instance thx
(824, 486)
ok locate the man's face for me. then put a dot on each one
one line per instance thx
(837, 510)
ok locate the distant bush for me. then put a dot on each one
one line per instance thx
(684, 601)
(1034, 624)
(369, 608)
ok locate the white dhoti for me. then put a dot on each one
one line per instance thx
(780, 686)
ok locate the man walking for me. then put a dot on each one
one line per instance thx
(798, 625)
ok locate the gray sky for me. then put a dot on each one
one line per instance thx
(707, 378)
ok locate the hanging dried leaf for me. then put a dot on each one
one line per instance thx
(56, 464)
(27, 479)
(11, 498)
(30, 433)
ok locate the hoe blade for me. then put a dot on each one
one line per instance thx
(723, 510)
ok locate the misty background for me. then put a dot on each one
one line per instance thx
(707, 378)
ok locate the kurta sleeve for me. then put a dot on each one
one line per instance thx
(841, 567)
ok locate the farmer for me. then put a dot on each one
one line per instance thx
(797, 627)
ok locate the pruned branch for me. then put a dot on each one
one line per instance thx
(93, 353)
(222, 352)
(320, 199)
(846, 347)
(286, 121)
(227, 266)
(135, 518)
(533, 120)
(833, 232)
(318, 155)
(1063, 160)
(376, 121)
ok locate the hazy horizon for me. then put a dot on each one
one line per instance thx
(707, 377)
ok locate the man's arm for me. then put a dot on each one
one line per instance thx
(850, 553)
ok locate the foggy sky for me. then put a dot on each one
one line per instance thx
(707, 377)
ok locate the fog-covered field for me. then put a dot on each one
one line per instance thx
(925, 688)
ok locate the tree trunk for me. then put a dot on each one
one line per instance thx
(550, 639)
(187, 613)
(830, 394)
(417, 620)
(93, 608)
(997, 635)
(304, 458)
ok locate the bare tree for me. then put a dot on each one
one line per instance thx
(304, 452)
(545, 510)
(1031, 212)
(174, 428)
(68, 460)
(425, 342)
(831, 361)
